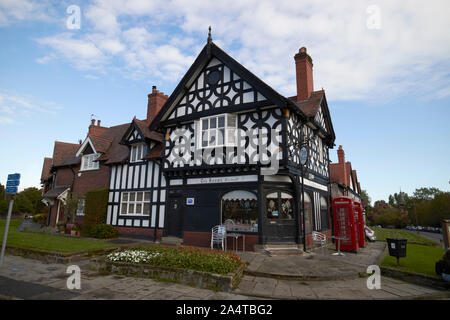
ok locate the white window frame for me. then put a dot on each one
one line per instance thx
(128, 201)
(138, 152)
(227, 131)
(88, 163)
(81, 206)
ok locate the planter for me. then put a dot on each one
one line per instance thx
(199, 279)
(73, 232)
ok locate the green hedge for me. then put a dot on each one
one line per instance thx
(103, 231)
(95, 210)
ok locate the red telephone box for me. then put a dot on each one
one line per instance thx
(344, 224)
(360, 224)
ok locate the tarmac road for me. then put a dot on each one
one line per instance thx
(438, 237)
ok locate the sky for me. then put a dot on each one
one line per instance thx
(384, 65)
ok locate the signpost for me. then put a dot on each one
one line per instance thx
(11, 190)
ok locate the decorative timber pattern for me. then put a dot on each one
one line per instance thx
(216, 87)
(319, 118)
(254, 129)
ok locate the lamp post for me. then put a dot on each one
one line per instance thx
(303, 161)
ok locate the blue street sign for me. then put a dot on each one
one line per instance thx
(11, 189)
(14, 176)
(12, 183)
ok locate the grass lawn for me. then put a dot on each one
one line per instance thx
(47, 241)
(383, 233)
(419, 258)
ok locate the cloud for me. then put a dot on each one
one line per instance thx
(14, 106)
(158, 40)
(23, 10)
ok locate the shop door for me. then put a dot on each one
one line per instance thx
(280, 223)
(175, 217)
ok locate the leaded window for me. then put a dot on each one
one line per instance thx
(135, 203)
(218, 131)
(88, 161)
(138, 152)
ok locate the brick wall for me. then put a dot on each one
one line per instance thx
(147, 232)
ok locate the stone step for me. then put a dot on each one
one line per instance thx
(175, 241)
(280, 249)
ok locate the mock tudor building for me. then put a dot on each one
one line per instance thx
(75, 169)
(224, 148)
(232, 154)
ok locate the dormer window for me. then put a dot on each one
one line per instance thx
(138, 152)
(88, 161)
(218, 131)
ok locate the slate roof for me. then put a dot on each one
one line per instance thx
(116, 152)
(311, 105)
(64, 154)
(143, 126)
(46, 174)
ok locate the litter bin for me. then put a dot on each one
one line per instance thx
(397, 247)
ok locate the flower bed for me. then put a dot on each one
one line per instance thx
(193, 258)
(202, 268)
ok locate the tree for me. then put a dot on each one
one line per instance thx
(426, 193)
(391, 216)
(3, 201)
(28, 201)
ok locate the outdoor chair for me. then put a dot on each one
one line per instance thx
(320, 239)
(218, 236)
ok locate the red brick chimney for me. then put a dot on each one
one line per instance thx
(341, 155)
(156, 100)
(96, 130)
(304, 74)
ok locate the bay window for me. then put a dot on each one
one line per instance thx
(218, 131)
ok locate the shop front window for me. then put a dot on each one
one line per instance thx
(279, 205)
(240, 211)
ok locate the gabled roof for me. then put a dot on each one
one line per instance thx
(306, 108)
(311, 106)
(116, 153)
(64, 153)
(46, 174)
(101, 144)
(212, 50)
(141, 126)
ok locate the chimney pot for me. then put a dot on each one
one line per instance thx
(92, 122)
(304, 74)
(98, 123)
(341, 155)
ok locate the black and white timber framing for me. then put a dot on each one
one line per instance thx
(216, 85)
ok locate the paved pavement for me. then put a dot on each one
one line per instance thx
(317, 265)
(22, 278)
